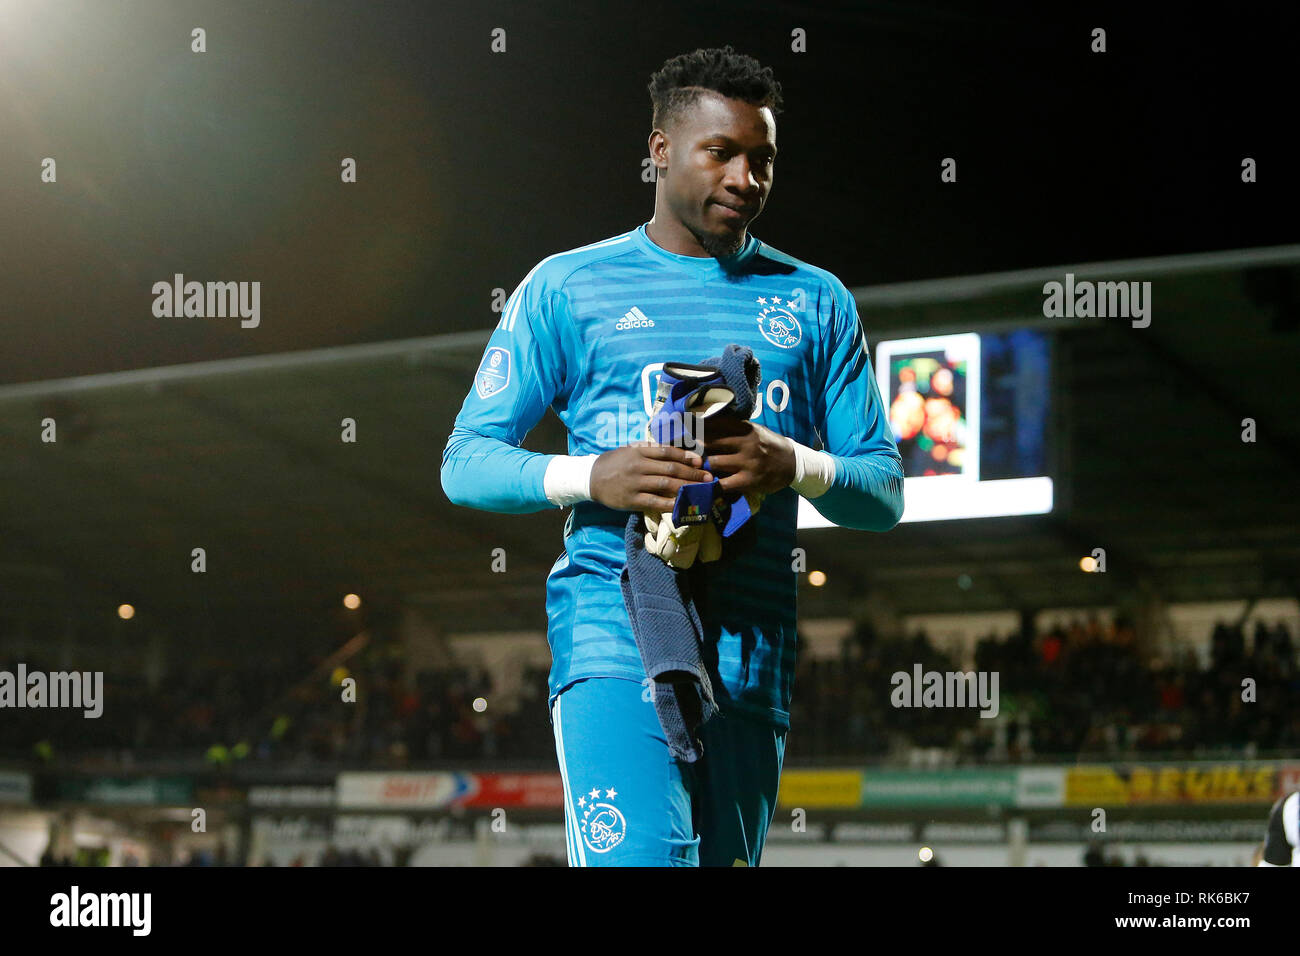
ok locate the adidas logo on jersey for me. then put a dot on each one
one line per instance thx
(635, 319)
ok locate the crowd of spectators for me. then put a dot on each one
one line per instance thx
(1077, 691)
(287, 712)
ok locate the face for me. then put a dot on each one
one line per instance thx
(718, 172)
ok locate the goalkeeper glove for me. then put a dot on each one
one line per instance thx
(687, 395)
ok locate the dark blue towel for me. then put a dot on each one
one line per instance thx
(666, 625)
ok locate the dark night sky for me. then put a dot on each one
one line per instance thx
(473, 165)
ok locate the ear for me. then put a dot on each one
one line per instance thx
(658, 145)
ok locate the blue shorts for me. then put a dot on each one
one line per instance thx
(629, 802)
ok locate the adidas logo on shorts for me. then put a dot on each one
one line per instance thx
(635, 319)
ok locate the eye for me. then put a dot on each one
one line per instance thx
(717, 149)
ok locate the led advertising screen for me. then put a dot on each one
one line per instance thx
(969, 413)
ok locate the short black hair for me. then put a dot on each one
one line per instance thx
(676, 87)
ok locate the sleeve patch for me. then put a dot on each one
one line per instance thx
(493, 372)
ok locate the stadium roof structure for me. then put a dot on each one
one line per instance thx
(244, 459)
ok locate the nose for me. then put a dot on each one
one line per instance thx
(741, 178)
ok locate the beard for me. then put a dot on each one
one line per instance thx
(720, 247)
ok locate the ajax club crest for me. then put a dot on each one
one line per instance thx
(601, 823)
(778, 324)
(493, 372)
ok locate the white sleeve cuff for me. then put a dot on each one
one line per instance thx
(814, 471)
(568, 479)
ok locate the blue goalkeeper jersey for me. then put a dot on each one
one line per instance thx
(585, 333)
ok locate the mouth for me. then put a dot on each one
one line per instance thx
(736, 213)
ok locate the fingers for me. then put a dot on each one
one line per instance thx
(648, 502)
(650, 479)
(726, 445)
(742, 481)
(663, 482)
(672, 469)
(728, 463)
(664, 487)
(659, 452)
(674, 462)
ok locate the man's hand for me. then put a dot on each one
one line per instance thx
(755, 459)
(644, 476)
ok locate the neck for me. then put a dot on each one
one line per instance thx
(668, 233)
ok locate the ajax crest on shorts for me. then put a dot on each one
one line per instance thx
(601, 823)
(493, 372)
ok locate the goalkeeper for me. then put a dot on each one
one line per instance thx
(585, 334)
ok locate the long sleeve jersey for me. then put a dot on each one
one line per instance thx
(585, 333)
